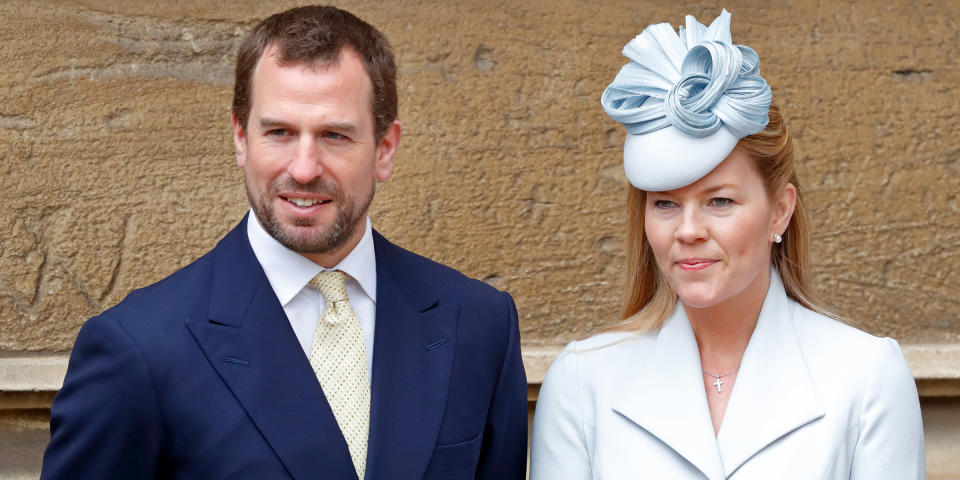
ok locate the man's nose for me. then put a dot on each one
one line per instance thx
(306, 164)
(692, 227)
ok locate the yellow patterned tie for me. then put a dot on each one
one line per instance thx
(339, 359)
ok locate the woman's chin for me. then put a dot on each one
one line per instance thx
(698, 298)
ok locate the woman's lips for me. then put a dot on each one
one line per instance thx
(695, 264)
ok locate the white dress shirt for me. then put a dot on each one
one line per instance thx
(289, 274)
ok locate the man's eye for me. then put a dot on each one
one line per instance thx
(721, 202)
(334, 136)
(278, 132)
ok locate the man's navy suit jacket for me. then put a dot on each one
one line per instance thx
(200, 376)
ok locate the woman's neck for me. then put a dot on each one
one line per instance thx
(723, 330)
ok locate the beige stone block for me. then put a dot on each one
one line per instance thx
(118, 165)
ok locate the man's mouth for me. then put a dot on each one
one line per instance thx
(304, 202)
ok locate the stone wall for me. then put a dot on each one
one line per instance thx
(118, 168)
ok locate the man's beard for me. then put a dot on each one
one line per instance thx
(319, 240)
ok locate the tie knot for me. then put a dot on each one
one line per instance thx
(331, 285)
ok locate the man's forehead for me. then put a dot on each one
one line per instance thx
(275, 80)
(275, 52)
(346, 57)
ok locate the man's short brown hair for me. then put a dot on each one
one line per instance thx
(316, 35)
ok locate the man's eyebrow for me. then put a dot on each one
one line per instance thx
(345, 127)
(267, 122)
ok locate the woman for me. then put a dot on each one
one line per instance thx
(724, 366)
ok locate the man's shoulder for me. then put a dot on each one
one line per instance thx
(182, 294)
(439, 277)
(177, 293)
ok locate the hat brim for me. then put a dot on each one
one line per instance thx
(668, 159)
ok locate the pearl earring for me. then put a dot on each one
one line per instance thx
(777, 238)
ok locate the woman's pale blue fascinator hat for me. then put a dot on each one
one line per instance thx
(686, 99)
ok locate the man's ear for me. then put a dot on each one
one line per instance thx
(239, 141)
(786, 202)
(387, 149)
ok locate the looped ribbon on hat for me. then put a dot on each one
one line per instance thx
(696, 81)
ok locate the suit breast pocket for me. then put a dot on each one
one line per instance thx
(454, 460)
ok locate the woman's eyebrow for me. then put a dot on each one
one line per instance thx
(715, 188)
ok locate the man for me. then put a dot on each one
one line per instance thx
(305, 345)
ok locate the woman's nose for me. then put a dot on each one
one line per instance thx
(692, 227)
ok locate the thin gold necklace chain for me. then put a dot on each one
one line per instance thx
(720, 376)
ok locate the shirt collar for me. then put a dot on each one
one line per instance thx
(289, 271)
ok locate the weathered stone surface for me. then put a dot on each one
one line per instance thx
(117, 165)
(23, 438)
(941, 429)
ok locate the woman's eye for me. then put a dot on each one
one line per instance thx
(663, 204)
(721, 202)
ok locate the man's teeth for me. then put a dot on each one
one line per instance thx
(304, 202)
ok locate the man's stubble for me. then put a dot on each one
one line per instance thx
(351, 212)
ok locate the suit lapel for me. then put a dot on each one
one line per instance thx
(248, 340)
(414, 346)
(773, 394)
(667, 399)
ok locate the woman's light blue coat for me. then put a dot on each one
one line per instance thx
(814, 399)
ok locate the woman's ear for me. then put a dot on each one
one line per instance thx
(783, 206)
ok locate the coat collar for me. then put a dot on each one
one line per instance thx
(249, 342)
(667, 399)
(415, 343)
(773, 394)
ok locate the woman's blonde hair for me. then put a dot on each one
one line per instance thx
(650, 300)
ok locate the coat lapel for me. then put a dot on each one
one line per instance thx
(413, 355)
(667, 398)
(773, 394)
(248, 340)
